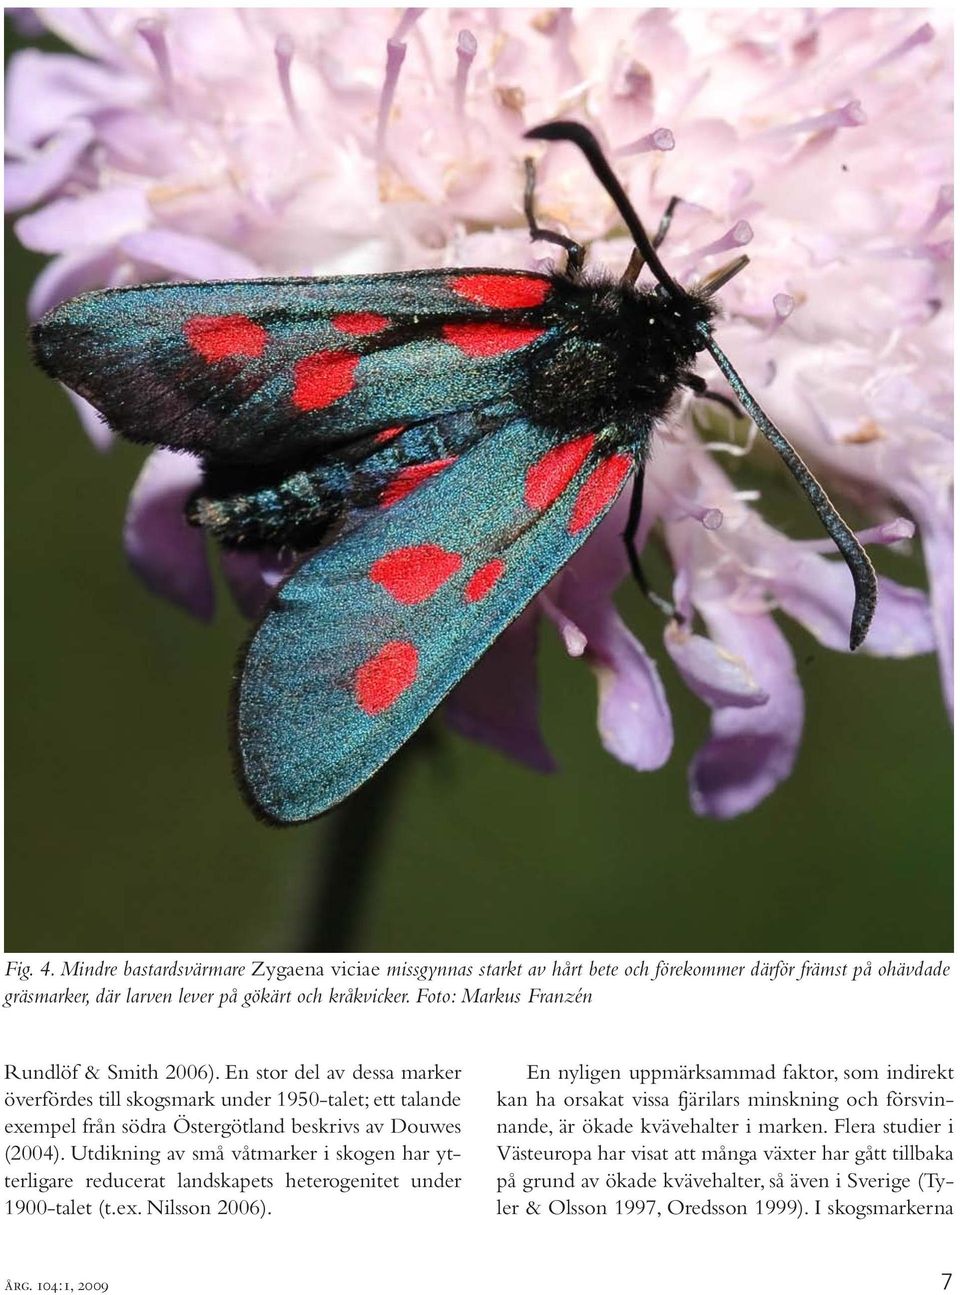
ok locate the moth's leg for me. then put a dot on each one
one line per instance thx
(715, 281)
(630, 540)
(575, 251)
(700, 389)
(665, 221)
(635, 264)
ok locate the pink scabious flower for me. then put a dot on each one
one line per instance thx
(199, 144)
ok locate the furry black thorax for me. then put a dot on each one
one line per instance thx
(620, 362)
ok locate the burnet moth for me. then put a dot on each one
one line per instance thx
(436, 444)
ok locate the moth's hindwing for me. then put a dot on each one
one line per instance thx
(367, 636)
(258, 371)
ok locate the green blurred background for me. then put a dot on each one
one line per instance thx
(125, 831)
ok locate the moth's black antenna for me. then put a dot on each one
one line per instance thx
(861, 568)
(587, 142)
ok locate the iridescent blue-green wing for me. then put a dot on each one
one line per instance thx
(367, 636)
(260, 371)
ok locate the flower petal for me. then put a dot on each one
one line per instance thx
(87, 30)
(633, 716)
(46, 90)
(68, 275)
(252, 577)
(91, 421)
(498, 702)
(753, 749)
(710, 672)
(187, 256)
(903, 624)
(28, 181)
(95, 219)
(591, 577)
(26, 23)
(165, 551)
(937, 534)
(818, 593)
(574, 639)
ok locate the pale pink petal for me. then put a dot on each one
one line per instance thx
(91, 420)
(26, 23)
(27, 181)
(252, 577)
(937, 535)
(599, 568)
(68, 275)
(715, 675)
(633, 715)
(93, 220)
(131, 142)
(187, 257)
(751, 750)
(932, 504)
(86, 29)
(166, 552)
(903, 625)
(818, 593)
(573, 637)
(44, 91)
(498, 701)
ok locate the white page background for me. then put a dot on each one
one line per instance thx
(434, 1242)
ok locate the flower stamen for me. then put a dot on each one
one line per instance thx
(887, 533)
(737, 235)
(783, 307)
(851, 114)
(709, 517)
(942, 207)
(921, 36)
(396, 53)
(574, 639)
(466, 53)
(659, 140)
(284, 50)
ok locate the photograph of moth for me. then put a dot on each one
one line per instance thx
(434, 445)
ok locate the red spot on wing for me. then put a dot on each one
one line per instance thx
(486, 339)
(320, 379)
(360, 324)
(225, 337)
(483, 580)
(412, 575)
(600, 489)
(549, 477)
(387, 434)
(501, 291)
(385, 677)
(407, 480)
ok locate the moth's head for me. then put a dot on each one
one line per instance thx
(692, 309)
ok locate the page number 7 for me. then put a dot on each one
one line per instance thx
(947, 1282)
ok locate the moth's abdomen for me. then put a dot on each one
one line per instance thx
(296, 513)
(297, 505)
